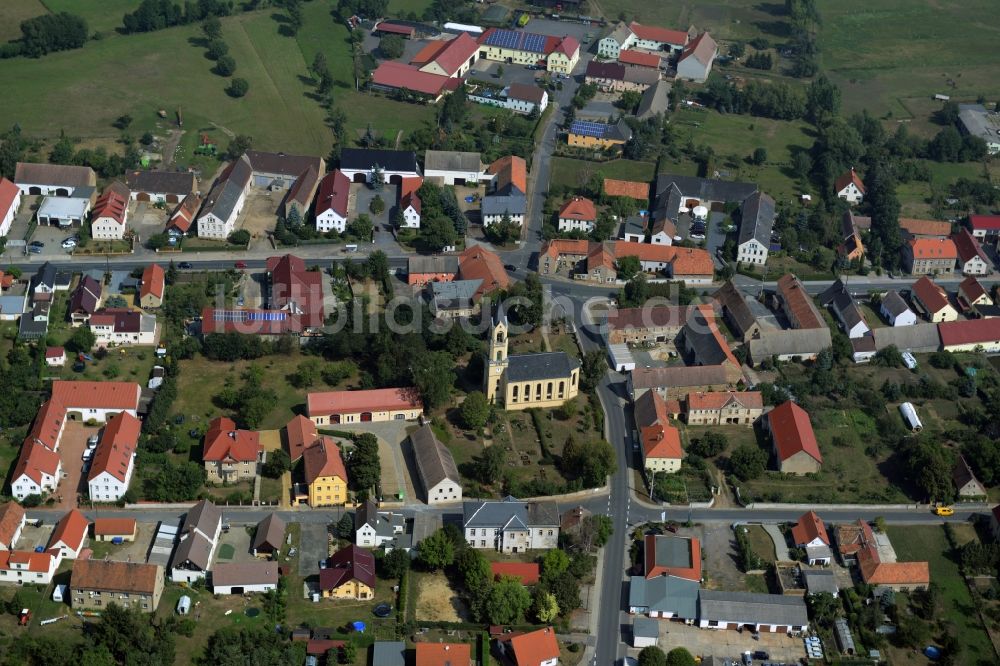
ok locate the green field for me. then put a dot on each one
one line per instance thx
(102, 15)
(12, 12)
(725, 19)
(575, 173)
(399, 8)
(929, 543)
(882, 52)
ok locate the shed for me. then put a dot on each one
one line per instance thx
(184, 605)
(842, 632)
(59, 592)
(645, 632)
(909, 413)
(621, 358)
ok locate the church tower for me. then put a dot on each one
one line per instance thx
(496, 358)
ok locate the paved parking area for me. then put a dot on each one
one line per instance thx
(132, 551)
(718, 545)
(148, 220)
(363, 196)
(234, 545)
(52, 237)
(563, 28)
(599, 109)
(314, 545)
(397, 476)
(32, 537)
(74, 482)
(487, 70)
(728, 643)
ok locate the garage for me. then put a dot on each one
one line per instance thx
(142, 196)
(460, 181)
(173, 198)
(360, 178)
(62, 192)
(396, 179)
(35, 190)
(366, 417)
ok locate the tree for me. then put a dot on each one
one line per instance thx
(823, 608)
(211, 27)
(475, 410)
(363, 467)
(62, 152)
(680, 657)
(361, 227)
(544, 608)
(392, 46)
(628, 267)
(49, 33)
(294, 23)
(759, 156)
(433, 374)
(82, 340)
(508, 601)
(225, 66)
(554, 563)
(594, 366)
(503, 231)
(348, 654)
(395, 563)
(122, 122)
(436, 551)
(238, 145)
(238, 87)
(652, 656)
(709, 445)
(490, 466)
(278, 462)
(216, 49)
(928, 466)
(306, 373)
(239, 237)
(747, 461)
(436, 233)
(377, 205)
(345, 527)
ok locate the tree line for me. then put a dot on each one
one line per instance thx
(152, 15)
(47, 33)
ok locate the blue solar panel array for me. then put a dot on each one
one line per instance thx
(249, 315)
(520, 41)
(587, 128)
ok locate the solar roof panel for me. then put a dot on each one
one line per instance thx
(533, 42)
(587, 128)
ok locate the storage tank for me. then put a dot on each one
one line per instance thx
(909, 413)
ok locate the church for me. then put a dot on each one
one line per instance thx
(521, 381)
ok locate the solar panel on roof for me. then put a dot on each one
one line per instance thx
(587, 128)
(267, 315)
(533, 42)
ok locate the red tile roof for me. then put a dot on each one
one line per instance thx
(626, 188)
(977, 222)
(395, 28)
(225, 443)
(37, 562)
(688, 569)
(510, 170)
(558, 247)
(9, 192)
(691, 261)
(118, 442)
(428, 53)
(297, 291)
(808, 528)
(391, 74)
(11, 515)
(568, 45)
(654, 33)
(352, 402)
(972, 289)
(579, 208)
(96, 395)
(34, 460)
(114, 526)
(968, 247)
(799, 302)
(535, 647)
(478, 263)
(318, 647)
(917, 227)
(718, 399)
(526, 572)
(443, 654)
(70, 531)
(600, 257)
(334, 193)
(969, 332)
(48, 424)
(183, 216)
(301, 434)
(111, 204)
(930, 294)
(640, 58)
(659, 438)
(323, 459)
(347, 564)
(456, 52)
(846, 178)
(153, 281)
(792, 432)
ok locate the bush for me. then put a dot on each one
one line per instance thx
(238, 87)
(225, 66)
(239, 237)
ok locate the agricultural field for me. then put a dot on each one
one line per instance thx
(13, 12)
(725, 19)
(946, 46)
(573, 173)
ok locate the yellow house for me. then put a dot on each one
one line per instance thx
(556, 54)
(588, 134)
(565, 56)
(522, 381)
(325, 474)
(349, 574)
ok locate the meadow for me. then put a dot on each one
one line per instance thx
(725, 19)
(576, 173)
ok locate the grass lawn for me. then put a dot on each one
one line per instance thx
(398, 8)
(928, 543)
(915, 196)
(761, 543)
(101, 15)
(926, 51)
(576, 173)
(15, 11)
(270, 489)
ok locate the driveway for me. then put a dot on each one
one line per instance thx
(598, 109)
(726, 643)
(718, 545)
(396, 474)
(314, 545)
(71, 447)
(715, 238)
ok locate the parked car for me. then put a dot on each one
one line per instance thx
(510, 267)
(241, 265)
(34, 249)
(184, 265)
(68, 244)
(36, 244)
(761, 655)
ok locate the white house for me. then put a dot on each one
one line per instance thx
(244, 577)
(114, 459)
(26, 566)
(896, 311)
(435, 467)
(662, 233)
(756, 224)
(409, 206)
(695, 62)
(332, 202)
(10, 204)
(122, 327)
(225, 201)
(12, 520)
(578, 214)
(198, 541)
(847, 312)
(69, 534)
(110, 214)
(611, 45)
(38, 470)
(374, 528)
(453, 167)
(850, 188)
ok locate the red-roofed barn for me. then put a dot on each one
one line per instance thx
(794, 441)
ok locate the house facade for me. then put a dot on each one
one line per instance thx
(578, 214)
(850, 188)
(724, 408)
(793, 439)
(95, 584)
(114, 458)
(198, 541)
(325, 473)
(930, 256)
(333, 407)
(109, 218)
(332, 199)
(231, 454)
(510, 525)
(225, 201)
(436, 467)
(349, 574)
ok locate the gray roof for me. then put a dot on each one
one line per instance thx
(645, 627)
(205, 517)
(12, 304)
(389, 653)
(773, 609)
(678, 376)
(819, 580)
(58, 175)
(454, 294)
(635, 224)
(224, 195)
(452, 160)
(656, 99)
(644, 410)
(642, 75)
(194, 549)
(620, 33)
(283, 164)
(510, 512)
(64, 207)
(671, 191)
(977, 121)
(665, 594)
(384, 522)
(703, 342)
(790, 342)
(548, 365)
(29, 329)
(424, 525)
(270, 531)
(757, 219)
(671, 551)
(434, 461)
(894, 303)
(180, 183)
(500, 204)
(437, 263)
(839, 298)
(917, 338)
(842, 632)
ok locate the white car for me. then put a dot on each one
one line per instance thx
(69, 244)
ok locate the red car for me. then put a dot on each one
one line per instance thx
(241, 265)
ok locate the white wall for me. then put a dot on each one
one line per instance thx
(328, 220)
(8, 219)
(107, 228)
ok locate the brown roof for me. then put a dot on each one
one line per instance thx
(535, 647)
(808, 528)
(719, 399)
(924, 227)
(301, 434)
(968, 247)
(31, 173)
(347, 564)
(679, 376)
(225, 574)
(114, 526)
(931, 295)
(846, 178)
(115, 576)
(510, 170)
(225, 442)
(325, 403)
(525, 92)
(649, 317)
(799, 302)
(270, 532)
(323, 459)
(290, 166)
(11, 515)
(626, 188)
(96, 395)
(434, 461)
(702, 49)
(962, 475)
(180, 183)
(478, 263)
